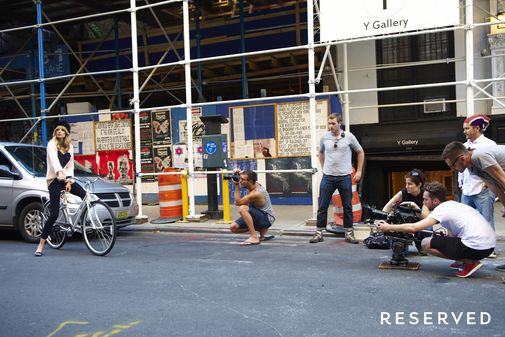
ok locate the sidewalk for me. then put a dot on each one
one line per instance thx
(290, 220)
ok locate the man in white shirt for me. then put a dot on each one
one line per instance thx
(475, 193)
(469, 237)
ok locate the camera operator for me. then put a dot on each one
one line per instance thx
(412, 196)
(470, 238)
(255, 209)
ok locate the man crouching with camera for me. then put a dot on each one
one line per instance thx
(470, 237)
(255, 209)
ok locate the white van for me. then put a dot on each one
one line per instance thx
(23, 188)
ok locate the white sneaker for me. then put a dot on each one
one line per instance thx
(492, 255)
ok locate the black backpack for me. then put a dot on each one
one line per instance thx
(376, 240)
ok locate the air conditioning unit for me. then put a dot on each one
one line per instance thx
(434, 105)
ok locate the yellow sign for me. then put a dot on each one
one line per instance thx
(121, 214)
(498, 28)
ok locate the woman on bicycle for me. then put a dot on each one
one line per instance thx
(60, 164)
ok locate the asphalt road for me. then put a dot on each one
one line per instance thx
(172, 284)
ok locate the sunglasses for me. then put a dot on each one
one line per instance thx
(414, 174)
(455, 161)
(336, 142)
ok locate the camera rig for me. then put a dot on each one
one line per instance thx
(399, 241)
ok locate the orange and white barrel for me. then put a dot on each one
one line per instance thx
(338, 209)
(170, 194)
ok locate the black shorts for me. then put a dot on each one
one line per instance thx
(454, 249)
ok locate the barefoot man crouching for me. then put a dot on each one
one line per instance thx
(255, 209)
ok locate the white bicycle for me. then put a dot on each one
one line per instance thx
(93, 218)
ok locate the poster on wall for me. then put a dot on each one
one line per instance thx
(253, 132)
(296, 184)
(180, 152)
(116, 166)
(88, 161)
(197, 127)
(162, 158)
(120, 115)
(146, 160)
(146, 134)
(180, 156)
(264, 148)
(83, 137)
(293, 127)
(113, 135)
(161, 127)
(197, 154)
(146, 145)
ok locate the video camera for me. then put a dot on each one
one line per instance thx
(399, 241)
(233, 177)
(400, 214)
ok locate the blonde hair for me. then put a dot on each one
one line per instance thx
(64, 144)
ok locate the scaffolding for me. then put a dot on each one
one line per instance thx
(342, 84)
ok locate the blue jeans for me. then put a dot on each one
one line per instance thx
(326, 189)
(482, 202)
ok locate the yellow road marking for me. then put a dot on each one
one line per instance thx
(116, 329)
(127, 326)
(66, 323)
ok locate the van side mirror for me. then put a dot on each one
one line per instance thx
(6, 172)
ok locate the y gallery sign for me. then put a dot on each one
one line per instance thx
(360, 18)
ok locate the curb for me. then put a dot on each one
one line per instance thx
(149, 227)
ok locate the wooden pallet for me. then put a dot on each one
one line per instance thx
(408, 266)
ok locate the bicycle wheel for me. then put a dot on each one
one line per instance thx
(56, 239)
(99, 228)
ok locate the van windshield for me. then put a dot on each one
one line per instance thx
(33, 159)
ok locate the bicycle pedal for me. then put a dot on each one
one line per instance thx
(66, 229)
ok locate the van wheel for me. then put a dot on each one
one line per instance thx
(30, 222)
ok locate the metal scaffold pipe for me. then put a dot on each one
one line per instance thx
(136, 103)
(189, 101)
(40, 39)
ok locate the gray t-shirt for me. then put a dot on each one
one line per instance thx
(338, 160)
(485, 157)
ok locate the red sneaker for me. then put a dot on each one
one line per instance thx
(469, 269)
(456, 265)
